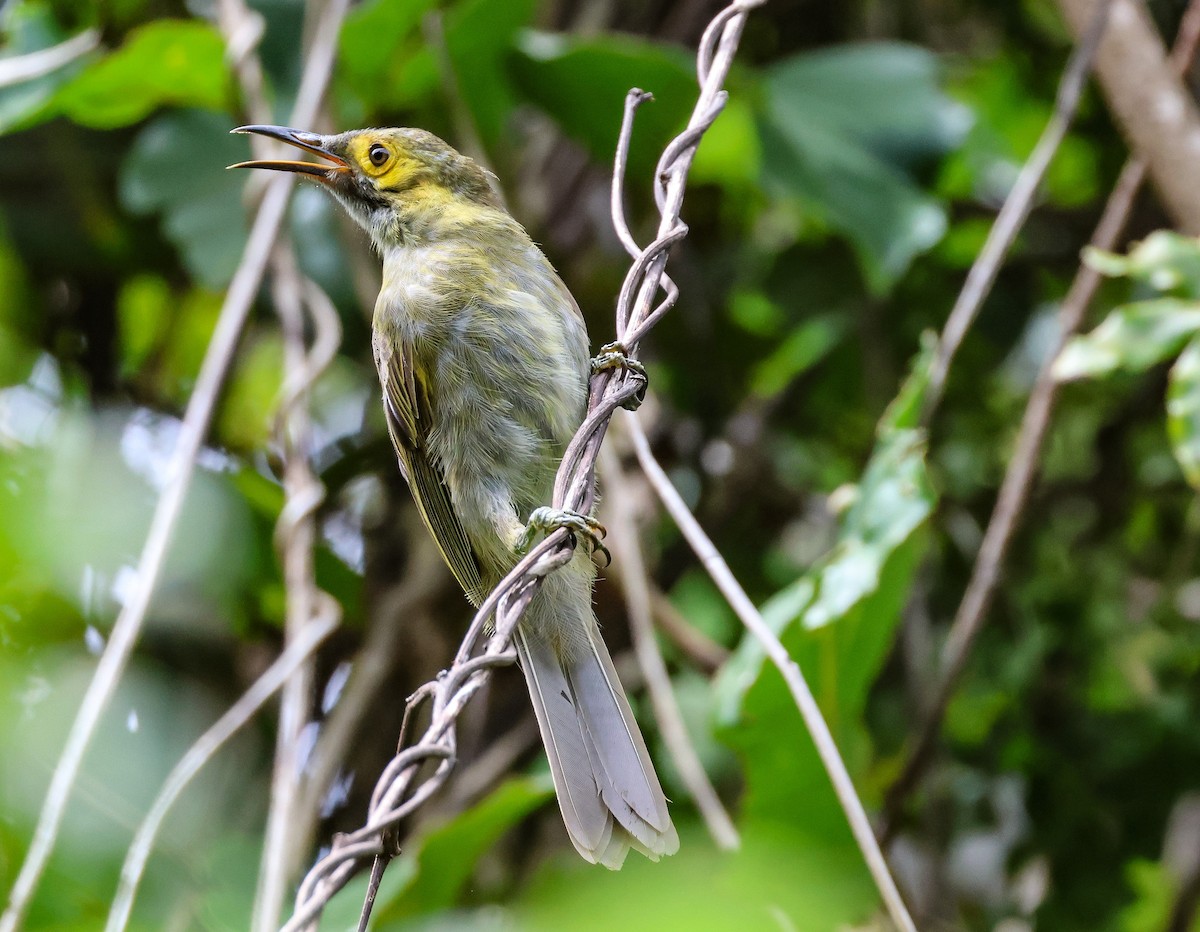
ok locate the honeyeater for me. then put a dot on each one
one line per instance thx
(483, 357)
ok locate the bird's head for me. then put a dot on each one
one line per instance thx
(395, 182)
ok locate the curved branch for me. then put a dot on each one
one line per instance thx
(398, 793)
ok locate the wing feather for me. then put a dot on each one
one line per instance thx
(408, 418)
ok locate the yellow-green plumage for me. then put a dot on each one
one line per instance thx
(483, 358)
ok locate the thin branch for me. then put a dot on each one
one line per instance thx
(37, 64)
(201, 405)
(303, 493)
(398, 792)
(1153, 105)
(295, 534)
(716, 567)
(634, 582)
(205, 747)
(1022, 468)
(1016, 208)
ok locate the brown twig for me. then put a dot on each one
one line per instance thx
(1153, 106)
(128, 626)
(398, 792)
(295, 535)
(716, 567)
(634, 582)
(295, 532)
(1022, 468)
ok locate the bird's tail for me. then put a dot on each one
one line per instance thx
(608, 792)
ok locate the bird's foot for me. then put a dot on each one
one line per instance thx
(546, 520)
(616, 356)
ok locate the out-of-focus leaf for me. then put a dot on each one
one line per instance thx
(143, 316)
(480, 35)
(1154, 888)
(971, 715)
(370, 39)
(780, 878)
(436, 868)
(904, 411)
(699, 601)
(1183, 411)
(881, 95)
(192, 325)
(1132, 338)
(177, 168)
(30, 27)
(84, 504)
(840, 129)
(558, 73)
(17, 355)
(730, 152)
(838, 622)
(800, 350)
(169, 62)
(1164, 260)
(756, 313)
(253, 397)
(1010, 113)
(893, 500)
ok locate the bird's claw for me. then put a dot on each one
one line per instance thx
(616, 356)
(545, 520)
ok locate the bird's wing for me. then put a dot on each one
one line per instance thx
(406, 404)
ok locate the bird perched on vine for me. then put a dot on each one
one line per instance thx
(483, 357)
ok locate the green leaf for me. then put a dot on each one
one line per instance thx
(730, 152)
(1166, 261)
(904, 411)
(479, 38)
(1154, 889)
(582, 84)
(144, 307)
(838, 622)
(437, 867)
(1183, 411)
(1132, 338)
(368, 61)
(168, 62)
(840, 130)
(893, 500)
(17, 319)
(176, 167)
(247, 414)
(780, 878)
(1010, 110)
(799, 351)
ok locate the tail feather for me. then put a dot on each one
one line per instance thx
(609, 720)
(609, 794)
(637, 831)
(588, 821)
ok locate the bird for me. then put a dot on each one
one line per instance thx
(483, 360)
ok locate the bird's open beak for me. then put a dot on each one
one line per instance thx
(309, 142)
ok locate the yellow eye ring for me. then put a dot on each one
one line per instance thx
(378, 155)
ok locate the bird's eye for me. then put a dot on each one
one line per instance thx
(378, 154)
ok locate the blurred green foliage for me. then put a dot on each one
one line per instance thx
(833, 210)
